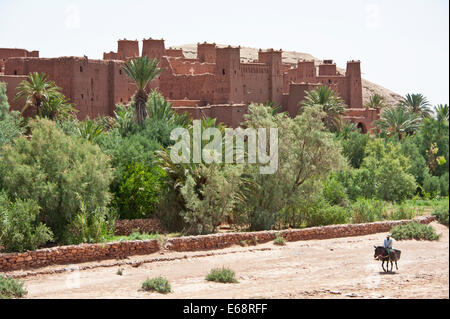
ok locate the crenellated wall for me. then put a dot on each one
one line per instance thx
(216, 77)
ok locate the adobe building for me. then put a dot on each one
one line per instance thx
(215, 84)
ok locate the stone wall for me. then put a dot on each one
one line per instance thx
(126, 226)
(76, 254)
(90, 252)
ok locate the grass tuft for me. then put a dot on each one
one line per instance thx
(158, 284)
(11, 288)
(223, 275)
(279, 240)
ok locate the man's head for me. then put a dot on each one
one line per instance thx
(388, 236)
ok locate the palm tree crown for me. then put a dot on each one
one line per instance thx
(141, 71)
(37, 89)
(398, 121)
(376, 101)
(417, 103)
(331, 104)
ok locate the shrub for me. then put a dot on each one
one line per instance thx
(140, 191)
(119, 272)
(441, 213)
(414, 230)
(9, 122)
(403, 211)
(158, 284)
(210, 198)
(223, 275)
(91, 227)
(56, 171)
(279, 240)
(11, 288)
(334, 191)
(353, 148)
(431, 184)
(444, 181)
(384, 173)
(19, 226)
(325, 214)
(366, 210)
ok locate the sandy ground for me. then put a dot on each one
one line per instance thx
(332, 268)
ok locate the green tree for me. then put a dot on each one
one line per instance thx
(417, 104)
(330, 103)
(20, 228)
(307, 153)
(9, 121)
(354, 148)
(384, 173)
(58, 172)
(376, 101)
(398, 121)
(141, 71)
(38, 90)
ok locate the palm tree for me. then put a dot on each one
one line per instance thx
(441, 111)
(347, 129)
(398, 121)
(331, 103)
(56, 107)
(37, 89)
(417, 103)
(141, 71)
(159, 109)
(376, 101)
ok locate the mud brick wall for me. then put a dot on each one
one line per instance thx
(89, 252)
(126, 226)
(76, 254)
(217, 241)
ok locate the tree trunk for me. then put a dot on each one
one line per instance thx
(140, 108)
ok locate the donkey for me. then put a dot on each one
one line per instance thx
(382, 254)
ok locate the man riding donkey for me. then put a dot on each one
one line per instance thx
(386, 253)
(388, 241)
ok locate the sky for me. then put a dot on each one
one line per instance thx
(403, 45)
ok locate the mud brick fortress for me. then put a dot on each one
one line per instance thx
(215, 84)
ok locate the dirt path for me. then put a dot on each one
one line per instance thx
(333, 268)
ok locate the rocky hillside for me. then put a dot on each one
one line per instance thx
(251, 54)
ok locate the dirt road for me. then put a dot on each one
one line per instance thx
(332, 268)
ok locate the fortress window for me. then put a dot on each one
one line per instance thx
(120, 72)
(223, 71)
(15, 72)
(81, 69)
(82, 96)
(329, 81)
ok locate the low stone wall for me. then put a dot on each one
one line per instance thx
(126, 226)
(216, 241)
(76, 254)
(90, 252)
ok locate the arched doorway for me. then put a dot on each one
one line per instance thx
(361, 127)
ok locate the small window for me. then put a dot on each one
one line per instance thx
(15, 72)
(121, 100)
(120, 72)
(81, 69)
(223, 71)
(82, 96)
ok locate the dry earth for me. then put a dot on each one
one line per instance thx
(291, 57)
(332, 268)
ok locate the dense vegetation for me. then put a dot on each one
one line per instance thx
(66, 181)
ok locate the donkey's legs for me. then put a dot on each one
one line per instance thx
(382, 265)
(396, 265)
